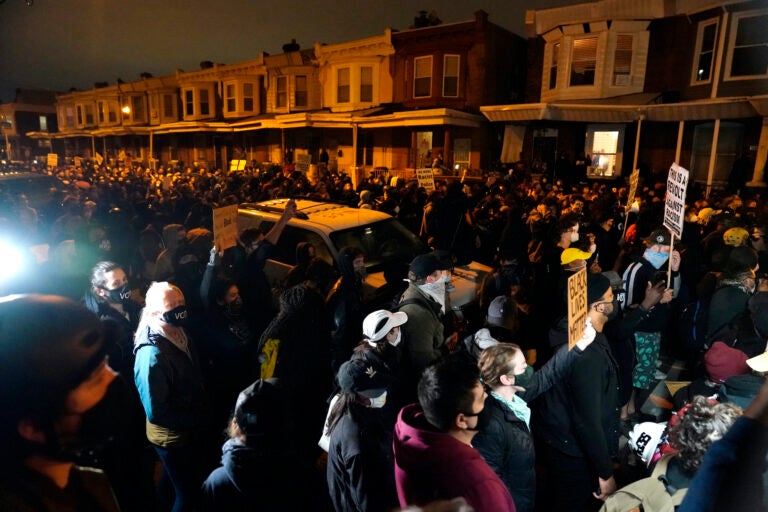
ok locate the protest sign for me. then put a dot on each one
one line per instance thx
(577, 306)
(426, 178)
(674, 207)
(225, 227)
(237, 165)
(302, 162)
(52, 160)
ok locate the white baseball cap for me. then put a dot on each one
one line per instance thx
(379, 323)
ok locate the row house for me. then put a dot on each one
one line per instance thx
(394, 100)
(31, 111)
(627, 84)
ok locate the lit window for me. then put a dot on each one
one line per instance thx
(342, 85)
(450, 76)
(622, 61)
(43, 124)
(366, 83)
(422, 77)
(749, 46)
(583, 61)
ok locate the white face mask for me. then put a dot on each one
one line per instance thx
(378, 401)
(435, 290)
(574, 236)
(395, 342)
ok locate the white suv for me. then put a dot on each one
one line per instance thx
(330, 227)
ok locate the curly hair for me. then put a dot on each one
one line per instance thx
(702, 423)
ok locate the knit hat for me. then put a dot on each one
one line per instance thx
(572, 254)
(379, 323)
(496, 310)
(361, 377)
(423, 265)
(644, 439)
(597, 285)
(259, 408)
(722, 361)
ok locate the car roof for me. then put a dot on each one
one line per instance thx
(333, 216)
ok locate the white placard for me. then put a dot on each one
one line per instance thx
(225, 227)
(426, 178)
(674, 207)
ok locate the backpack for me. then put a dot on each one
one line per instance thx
(268, 358)
(652, 494)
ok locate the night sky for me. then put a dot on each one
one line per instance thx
(59, 44)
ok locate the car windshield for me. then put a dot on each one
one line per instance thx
(381, 242)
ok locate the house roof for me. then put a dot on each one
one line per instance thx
(609, 111)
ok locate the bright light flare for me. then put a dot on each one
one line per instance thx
(10, 260)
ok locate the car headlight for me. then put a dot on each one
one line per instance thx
(11, 260)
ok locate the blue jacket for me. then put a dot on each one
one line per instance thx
(169, 382)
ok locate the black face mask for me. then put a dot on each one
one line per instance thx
(177, 316)
(234, 310)
(614, 310)
(482, 421)
(119, 295)
(99, 426)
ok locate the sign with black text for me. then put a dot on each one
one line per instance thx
(225, 227)
(426, 178)
(577, 306)
(674, 207)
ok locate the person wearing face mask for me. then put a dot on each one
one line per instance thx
(110, 298)
(506, 443)
(360, 465)
(424, 303)
(60, 402)
(576, 421)
(168, 376)
(638, 278)
(345, 303)
(737, 311)
(434, 457)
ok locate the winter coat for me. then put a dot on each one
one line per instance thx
(423, 335)
(579, 416)
(506, 445)
(360, 468)
(169, 382)
(432, 465)
(252, 479)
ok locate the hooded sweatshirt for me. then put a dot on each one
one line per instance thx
(432, 465)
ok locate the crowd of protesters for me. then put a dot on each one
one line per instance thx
(302, 396)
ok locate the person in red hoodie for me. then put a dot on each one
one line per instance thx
(434, 457)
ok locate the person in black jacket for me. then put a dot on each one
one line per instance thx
(345, 303)
(506, 443)
(360, 468)
(577, 425)
(258, 465)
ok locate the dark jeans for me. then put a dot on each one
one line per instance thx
(180, 468)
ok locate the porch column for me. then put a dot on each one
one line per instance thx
(758, 178)
(354, 155)
(151, 150)
(713, 156)
(447, 143)
(93, 146)
(679, 148)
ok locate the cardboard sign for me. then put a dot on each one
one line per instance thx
(225, 227)
(674, 208)
(426, 178)
(52, 160)
(236, 165)
(302, 162)
(577, 306)
(634, 178)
